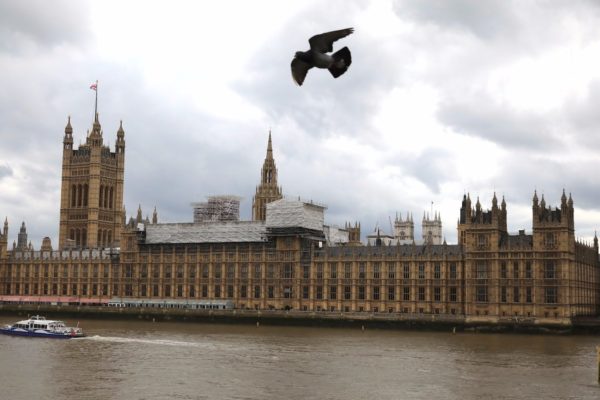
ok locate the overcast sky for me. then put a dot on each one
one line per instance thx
(442, 98)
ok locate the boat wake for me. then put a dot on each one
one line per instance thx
(160, 342)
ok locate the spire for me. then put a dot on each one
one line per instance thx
(154, 217)
(494, 201)
(570, 202)
(68, 128)
(120, 131)
(270, 147)
(139, 214)
(543, 202)
(563, 198)
(503, 204)
(535, 198)
(5, 232)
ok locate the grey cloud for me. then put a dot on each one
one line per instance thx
(44, 23)
(432, 167)
(5, 170)
(480, 116)
(485, 19)
(583, 116)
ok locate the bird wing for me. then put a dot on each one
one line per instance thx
(323, 43)
(299, 70)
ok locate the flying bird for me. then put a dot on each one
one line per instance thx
(337, 63)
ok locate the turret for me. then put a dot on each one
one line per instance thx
(68, 139)
(120, 143)
(154, 217)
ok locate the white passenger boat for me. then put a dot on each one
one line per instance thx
(38, 326)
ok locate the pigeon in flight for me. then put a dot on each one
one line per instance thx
(337, 63)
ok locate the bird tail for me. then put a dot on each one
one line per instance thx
(343, 59)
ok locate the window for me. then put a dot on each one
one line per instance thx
(551, 295)
(218, 271)
(503, 269)
(347, 270)
(503, 294)
(421, 293)
(421, 271)
(305, 292)
(550, 240)
(180, 271)
(376, 270)
(306, 271)
(516, 270)
(376, 293)
(549, 270)
(144, 290)
(168, 271)
(453, 297)
(230, 272)
(270, 271)
(528, 270)
(347, 292)
(437, 294)
(481, 293)
(167, 290)
(319, 270)
(244, 271)
(155, 290)
(481, 270)
(287, 292)
(482, 240)
(452, 270)
(332, 292)
(230, 291)
(406, 293)
(179, 290)
(406, 271)
(516, 294)
(361, 292)
(528, 294)
(319, 292)
(391, 270)
(257, 272)
(361, 270)
(333, 270)
(271, 292)
(257, 292)
(437, 274)
(287, 271)
(391, 293)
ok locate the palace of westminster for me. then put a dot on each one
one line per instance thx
(287, 258)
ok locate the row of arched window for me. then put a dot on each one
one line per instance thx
(79, 236)
(106, 197)
(79, 196)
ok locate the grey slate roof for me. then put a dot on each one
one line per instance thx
(210, 232)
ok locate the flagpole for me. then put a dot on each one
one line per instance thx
(96, 104)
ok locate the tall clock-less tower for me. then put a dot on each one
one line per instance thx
(91, 203)
(268, 190)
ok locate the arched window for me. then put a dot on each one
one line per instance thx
(73, 196)
(101, 196)
(72, 235)
(83, 238)
(77, 238)
(79, 195)
(110, 199)
(109, 243)
(106, 197)
(85, 195)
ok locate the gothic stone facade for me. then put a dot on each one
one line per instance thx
(491, 275)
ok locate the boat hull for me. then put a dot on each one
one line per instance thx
(38, 333)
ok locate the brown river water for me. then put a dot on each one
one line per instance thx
(170, 360)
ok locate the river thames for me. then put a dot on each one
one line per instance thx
(169, 360)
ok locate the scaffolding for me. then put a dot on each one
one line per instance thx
(217, 208)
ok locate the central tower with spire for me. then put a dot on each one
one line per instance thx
(268, 190)
(91, 204)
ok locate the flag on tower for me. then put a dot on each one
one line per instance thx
(94, 86)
